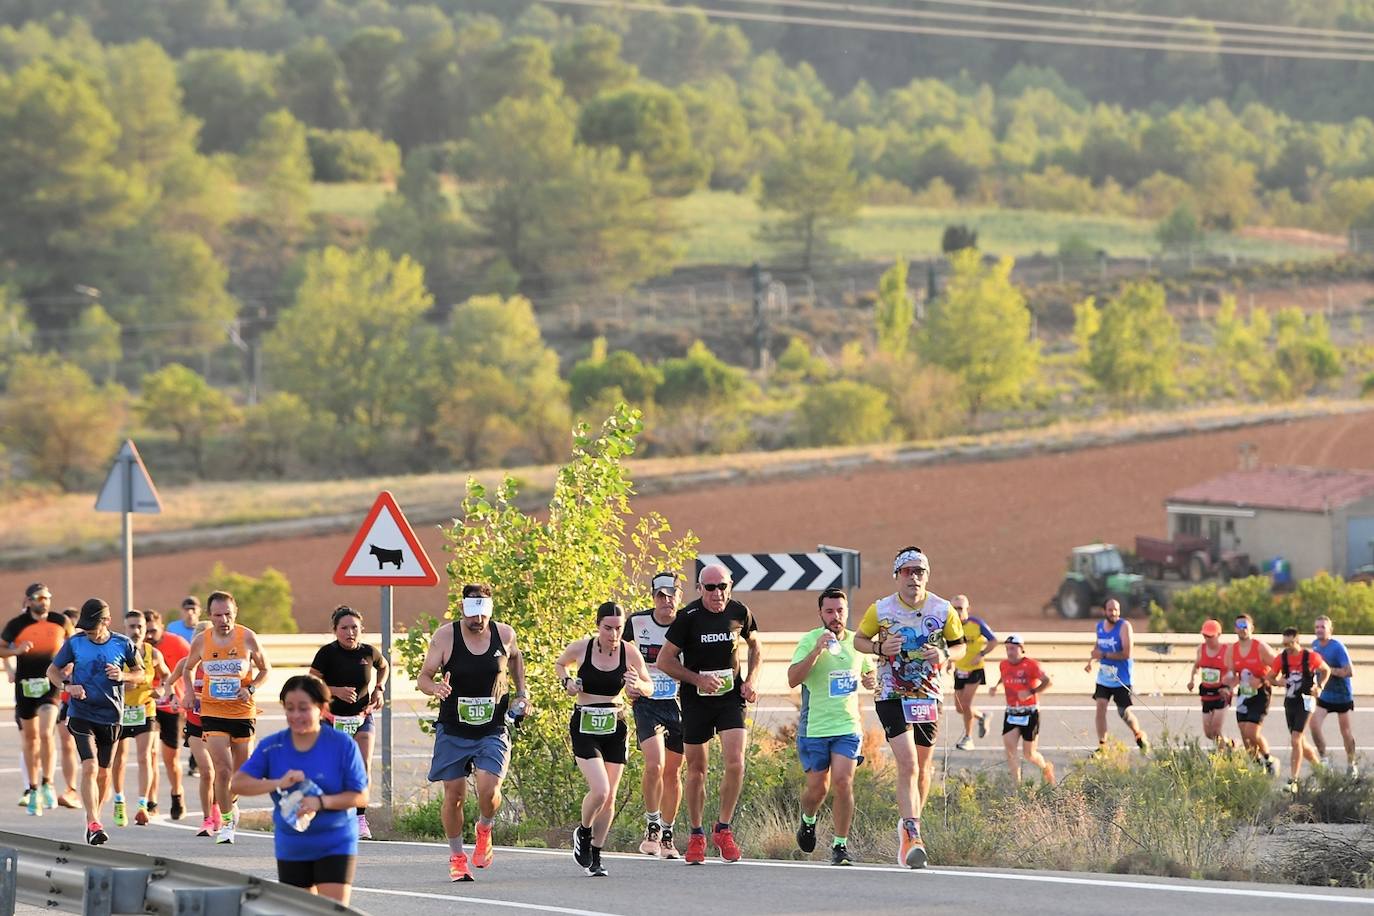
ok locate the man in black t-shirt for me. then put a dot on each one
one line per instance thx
(701, 651)
(32, 639)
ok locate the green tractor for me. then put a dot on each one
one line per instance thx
(1097, 572)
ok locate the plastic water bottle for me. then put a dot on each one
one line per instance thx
(836, 647)
(515, 714)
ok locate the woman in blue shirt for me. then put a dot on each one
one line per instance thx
(321, 858)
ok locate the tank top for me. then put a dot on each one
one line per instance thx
(477, 705)
(226, 669)
(1251, 671)
(601, 683)
(141, 695)
(1299, 680)
(1112, 672)
(1211, 668)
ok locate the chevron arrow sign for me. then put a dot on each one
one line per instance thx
(779, 572)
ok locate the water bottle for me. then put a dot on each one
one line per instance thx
(836, 647)
(515, 714)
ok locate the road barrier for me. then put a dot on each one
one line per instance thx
(97, 881)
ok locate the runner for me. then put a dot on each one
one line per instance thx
(470, 737)
(66, 744)
(1210, 667)
(1337, 696)
(658, 720)
(1302, 673)
(169, 717)
(597, 727)
(233, 667)
(139, 718)
(1025, 680)
(1247, 672)
(185, 627)
(829, 730)
(356, 675)
(1112, 653)
(914, 633)
(33, 639)
(980, 640)
(320, 770)
(194, 739)
(95, 664)
(701, 652)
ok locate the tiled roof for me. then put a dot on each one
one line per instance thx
(1294, 489)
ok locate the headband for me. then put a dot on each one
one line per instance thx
(910, 558)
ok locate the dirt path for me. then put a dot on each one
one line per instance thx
(998, 530)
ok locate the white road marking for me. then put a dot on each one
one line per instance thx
(485, 901)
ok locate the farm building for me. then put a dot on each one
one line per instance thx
(1315, 518)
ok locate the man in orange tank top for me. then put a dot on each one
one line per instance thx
(232, 667)
(1208, 676)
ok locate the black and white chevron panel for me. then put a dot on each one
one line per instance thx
(778, 572)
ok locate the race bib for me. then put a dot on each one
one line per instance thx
(1246, 690)
(843, 683)
(594, 720)
(1019, 719)
(35, 687)
(727, 682)
(475, 710)
(224, 688)
(349, 725)
(665, 688)
(920, 710)
(134, 715)
(1107, 676)
(1210, 675)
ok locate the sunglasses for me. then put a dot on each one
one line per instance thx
(1242, 625)
(916, 571)
(715, 586)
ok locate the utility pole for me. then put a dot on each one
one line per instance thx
(761, 280)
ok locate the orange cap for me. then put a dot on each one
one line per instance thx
(1211, 628)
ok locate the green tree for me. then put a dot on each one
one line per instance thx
(843, 412)
(277, 430)
(539, 565)
(173, 286)
(701, 398)
(894, 311)
(650, 122)
(1181, 228)
(720, 130)
(16, 330)
(1087, 321)
(1241, 361)
(264, 602)
(619, 374)
(60, 423)
(94, 342)
(1304, 355)
(146, 101)
(177, 398)
(1135, 353)
(230, 91)
(812, 184)
(979, 329)
(419, 220)
(277, 166)
(925, 400)
(371, 59)
(521, 68)
(352, 155)
(589, 63)
(1224, 188)
(310, 81)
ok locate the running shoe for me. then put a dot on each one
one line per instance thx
(839, 855)
(911, 851)
(95, 834)
(724, 840)
(207, 827)
(365, 832)
(481, 852)
(458, 867)
(24, 799)
(152, 806)
(121, 815)
(696, 849)
(666, 849)
(226, 830)
(177, 810)
(191, 768)
(216, 819)
(806, 837)
(964, 744)
(49, 796)
(596, 870)
(69, 799)
(1353, 772)
(141, 816)
(1142, 741)
(582, 845)
(1271, 765)
(35, 803)
(982, 725)
(651, 846)
(1292, 787)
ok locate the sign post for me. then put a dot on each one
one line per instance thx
(393, 557)
(128, 489)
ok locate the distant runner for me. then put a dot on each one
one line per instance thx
(170, 720)
(1024, 680)
(1114, 669)
(979, 641)
(1337, 696)
(140, 715)
(33, 639)
(1302, 674)
(1209, 677)
(1247, 672)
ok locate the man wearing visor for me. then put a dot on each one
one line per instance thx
(914, 633)
(466, 669)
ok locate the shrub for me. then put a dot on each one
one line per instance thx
(957, 238)
(352, 155)
(843, 412)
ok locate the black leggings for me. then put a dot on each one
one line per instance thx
(329, 870)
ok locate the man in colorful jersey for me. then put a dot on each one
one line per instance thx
(138, 720)
(1302, 674)
(701, 652)
(33, 639)
(466, 669)
(233, 667)
(1208, 675)
(658, 720)
(1337, 696)
(829, 731)
(1024, 680)
(914, 633)
(1112, 652)
(169, 717)
(1247, 673)
(979, 641)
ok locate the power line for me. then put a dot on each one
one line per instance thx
(989, 34)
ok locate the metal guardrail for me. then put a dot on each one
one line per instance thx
(56, 875)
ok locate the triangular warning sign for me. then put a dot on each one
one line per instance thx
(385, 551)
(128, 488)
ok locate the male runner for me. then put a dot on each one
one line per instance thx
(1337, 696)
(137, 724)
(1302, 674)
(701, 651)
(33, 639)
(1025, 680)
(169, 717)
(980, 640)
(658, 720)
(829, 730)
(475, 656)
(914, 634)
(1210, 667)
(185, 627)
(1114, 668)
(233, 667)
(1247, 672)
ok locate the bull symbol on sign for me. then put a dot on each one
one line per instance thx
(385, 556)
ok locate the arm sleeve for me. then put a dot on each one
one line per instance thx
(868, 626)
(751, 626)
(65, 656)
(318, 662)
(808, 642)
(1342, 657)
(677, 631)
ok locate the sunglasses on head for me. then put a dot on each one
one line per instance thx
(715, 586)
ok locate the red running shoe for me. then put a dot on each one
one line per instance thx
(696, 849)
(481, 854)
(458, 867)
(725, 843)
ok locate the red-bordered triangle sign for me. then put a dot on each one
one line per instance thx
(385, 550)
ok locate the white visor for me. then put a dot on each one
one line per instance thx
(664, 583)
(476, 607)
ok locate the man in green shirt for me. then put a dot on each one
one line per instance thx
(829, 731)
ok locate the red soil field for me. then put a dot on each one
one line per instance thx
(996, 530)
